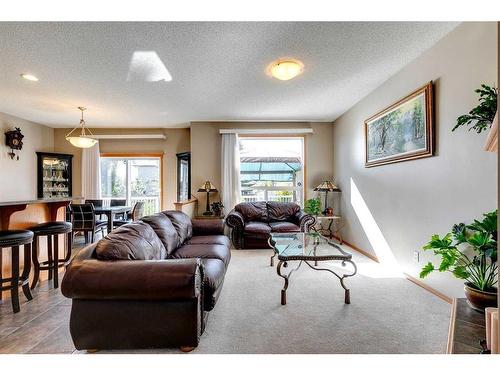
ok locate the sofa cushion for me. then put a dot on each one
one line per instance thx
(181, 223)
(165, 231)
(252, 211)
(279, 211)
(283, 227)
(213, 251)
(257, 227)
(134, 241)
(213, 277)
(209, 240)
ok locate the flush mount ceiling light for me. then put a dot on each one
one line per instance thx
(29, 77)
(285, 69)
(84, 140)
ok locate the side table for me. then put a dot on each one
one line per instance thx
(330, 226)
(211, 217)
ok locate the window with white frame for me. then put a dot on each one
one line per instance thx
(136, 179)
(272, 169)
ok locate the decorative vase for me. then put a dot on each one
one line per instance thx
(329, 211)
(480, 299)
(217, 212)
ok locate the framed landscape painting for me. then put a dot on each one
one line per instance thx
(403, 131)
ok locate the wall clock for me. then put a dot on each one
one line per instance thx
(14, 139)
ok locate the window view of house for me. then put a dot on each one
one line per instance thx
(271, 169)
(136, 180)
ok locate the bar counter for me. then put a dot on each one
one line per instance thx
(25, 214)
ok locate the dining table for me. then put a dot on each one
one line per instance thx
(110, 212)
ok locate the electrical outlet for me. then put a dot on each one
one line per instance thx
(416, 256)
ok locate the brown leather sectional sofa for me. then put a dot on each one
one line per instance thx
(148, 284)
(252, 222)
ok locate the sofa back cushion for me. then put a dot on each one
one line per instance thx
(134, 241)
(278, 211)
(253, 211)
(182, 224)
(165, 231)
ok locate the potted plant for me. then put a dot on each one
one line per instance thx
(469, 252)
(484, 113)
(217, 208)
(313, 206)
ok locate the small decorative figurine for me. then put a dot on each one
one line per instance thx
(14, 139)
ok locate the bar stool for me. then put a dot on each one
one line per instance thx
(14, 239)
(52, 230)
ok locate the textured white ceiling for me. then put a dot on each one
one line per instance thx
(217, 69)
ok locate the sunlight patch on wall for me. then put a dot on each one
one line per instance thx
(379, 244)
(146, 66)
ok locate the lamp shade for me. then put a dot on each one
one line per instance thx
(207, 187)
(82, 141)
(326, 186)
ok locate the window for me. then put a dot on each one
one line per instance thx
(272, 169)
(134, 179)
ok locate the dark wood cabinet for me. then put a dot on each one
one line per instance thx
(54, 175)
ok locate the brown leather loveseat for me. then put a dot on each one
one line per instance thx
(252, 222)
(148, 284)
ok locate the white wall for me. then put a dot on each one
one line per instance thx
(18, 180)
(411, 200)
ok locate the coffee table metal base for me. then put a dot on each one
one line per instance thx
(284, 264)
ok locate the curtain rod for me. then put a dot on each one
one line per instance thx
(266, 131)
(129, 136)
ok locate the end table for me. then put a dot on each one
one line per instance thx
(332, 228)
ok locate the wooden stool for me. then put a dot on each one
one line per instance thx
(52, 231)
(14, 239)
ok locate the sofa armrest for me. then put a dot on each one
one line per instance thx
(235, 220)
(205, 227)
(167, 280)
(304, 221)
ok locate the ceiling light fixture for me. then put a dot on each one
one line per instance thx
(29, 77)
(285, 69)
(84, 140)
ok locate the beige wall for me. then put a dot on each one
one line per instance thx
(206, 153)
(411, 200)
(177, 140)
(18, 178)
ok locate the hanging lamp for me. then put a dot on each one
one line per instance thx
(85, 139)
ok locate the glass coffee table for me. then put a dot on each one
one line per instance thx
(309, 248)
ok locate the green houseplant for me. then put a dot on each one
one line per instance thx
(313, 206)
(484, 113)
(469, 252)
(217, 208)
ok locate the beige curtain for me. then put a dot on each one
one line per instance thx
(91, 172)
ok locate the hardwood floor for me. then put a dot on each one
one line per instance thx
(42, 325)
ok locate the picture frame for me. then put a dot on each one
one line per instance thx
(403, 131)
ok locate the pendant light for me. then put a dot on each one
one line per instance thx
(84, 140)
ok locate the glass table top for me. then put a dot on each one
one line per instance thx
(306, 246)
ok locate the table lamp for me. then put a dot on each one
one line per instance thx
(208, 188)
(326, 186)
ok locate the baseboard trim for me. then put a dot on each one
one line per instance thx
(408, 276)
(365, 253)
(428, 288)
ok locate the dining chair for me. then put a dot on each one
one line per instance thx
(119, 202)
(84, 220)
(96, 203)
(136, 214)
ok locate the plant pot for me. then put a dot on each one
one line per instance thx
(480, 299)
